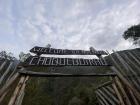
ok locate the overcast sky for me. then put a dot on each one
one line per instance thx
(71, 24)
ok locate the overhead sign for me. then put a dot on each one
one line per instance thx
(51, 61)
(43, 50)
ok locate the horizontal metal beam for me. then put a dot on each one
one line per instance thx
(42, 74)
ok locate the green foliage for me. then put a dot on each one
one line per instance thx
(133, 33)
(60, 91)
(6, 55)
(34, 94)
(23, 56)
(64, 90)
(75, 101)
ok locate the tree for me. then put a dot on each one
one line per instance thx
(133, 33)
(23, 56)
(5, 55)
(48, 46)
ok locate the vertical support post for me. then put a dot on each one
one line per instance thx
(21, 92)
(117, 92)
(99, 100)
(106, 97)
(106, 103)
(8, 84)
(128, 68)
(13, 72)
(18, 94)
(127, 83)
(2, 97)
(111, 95)
(3, 64)
(6, 72)
(132, 63)
(133, 97)
(124, 80)
(122, 90)
(15, 94)
(134, 58)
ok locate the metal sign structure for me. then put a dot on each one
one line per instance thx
(53, 51)
(51, 61)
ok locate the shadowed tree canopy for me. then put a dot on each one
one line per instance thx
(133, 33)
(23, 56)
(5, 55)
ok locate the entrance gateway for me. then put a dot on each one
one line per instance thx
(39, 61)
(52, 61)
(120, 90)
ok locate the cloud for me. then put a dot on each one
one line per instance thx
(73, 24)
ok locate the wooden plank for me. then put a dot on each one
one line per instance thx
(132, 63)
(106, 97)
(122, 90)
(110, 94)
(134, 58)
(124, 63)
(2, 65)
(5, 73)
(124, 80)
(119, 68)
(118, 94)
(136, 55)
(128, 68)
(21, 92)
(110, 89)
(100, 101)
(104, 84)
(15, 94)
(3, 96)
(133, 97)
(42, 74)
(127, 83)
(13, 72)
(20, 99)
(119, 72)
(8, 84)
(134, 78)
(101, 97)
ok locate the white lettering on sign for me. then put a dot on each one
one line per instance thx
(43, 50)
(31, 61)
(51, 61)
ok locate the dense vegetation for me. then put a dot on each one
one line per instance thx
(63, 90)
(133, 33)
